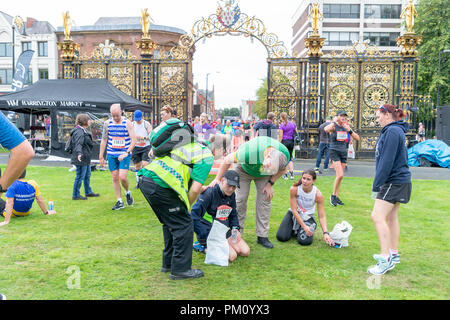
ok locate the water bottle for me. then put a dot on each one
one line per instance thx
(234, 235)
(50, 205)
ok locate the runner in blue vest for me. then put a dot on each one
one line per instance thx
(119, 140)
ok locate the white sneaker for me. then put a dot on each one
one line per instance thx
(73, 169)
(381, 267)
(394, 257)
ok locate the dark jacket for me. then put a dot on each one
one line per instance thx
(81, 144)
(218, 205)
(268, 128)
(391, 156)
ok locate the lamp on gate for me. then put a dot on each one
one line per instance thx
(439, 74)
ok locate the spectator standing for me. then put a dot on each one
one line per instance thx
(391, 185)
(82, 145)
(266, 127)
(324, 146)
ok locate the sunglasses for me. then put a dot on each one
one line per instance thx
(382, 107)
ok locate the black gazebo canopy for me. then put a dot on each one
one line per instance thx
(93, 95)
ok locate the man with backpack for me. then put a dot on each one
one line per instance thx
(142, 130)
(119, 140)
(171, 184)
(266, 127)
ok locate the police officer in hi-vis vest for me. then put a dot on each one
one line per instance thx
(171, 185)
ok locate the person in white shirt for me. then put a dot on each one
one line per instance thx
(142, 130)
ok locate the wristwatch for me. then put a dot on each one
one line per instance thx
(3, 190)
(326, 232)
(271, 182)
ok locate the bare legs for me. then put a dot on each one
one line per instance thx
(339, 167)
(120, 177)
(385, 219)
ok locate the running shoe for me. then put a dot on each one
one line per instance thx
(395, 258)
(292, 175)
(339, 202)
(285, 176)
(119, 205)
(2, 296)
(325, 170)
(130, 200)
(383, 266)
(198, 247)
(333, 201)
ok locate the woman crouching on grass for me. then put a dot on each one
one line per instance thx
(299, 220)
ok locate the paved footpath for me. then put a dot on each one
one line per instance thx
(357, 168)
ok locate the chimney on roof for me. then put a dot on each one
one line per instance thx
(30, 22)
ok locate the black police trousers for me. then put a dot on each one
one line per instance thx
(177, 225)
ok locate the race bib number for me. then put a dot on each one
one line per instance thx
(223, 212)
(341, 135)
(140, 143)
(118, 143)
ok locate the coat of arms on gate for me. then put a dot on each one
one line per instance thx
(228, 15)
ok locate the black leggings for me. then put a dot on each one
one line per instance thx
(285, 230)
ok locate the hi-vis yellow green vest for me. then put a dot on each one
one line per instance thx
(177, 168)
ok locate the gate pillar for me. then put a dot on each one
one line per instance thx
(314, 44)
(68, 48)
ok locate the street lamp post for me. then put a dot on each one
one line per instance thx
(439, 74)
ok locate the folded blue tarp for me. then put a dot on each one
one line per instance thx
(435, 151)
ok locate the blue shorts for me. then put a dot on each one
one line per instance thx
(114, 163)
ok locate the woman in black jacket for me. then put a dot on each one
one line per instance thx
(81, 157)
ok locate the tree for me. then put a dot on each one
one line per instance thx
(261, 100)
(232, 112)
(433, 23)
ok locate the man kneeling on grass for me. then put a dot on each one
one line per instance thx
(219, 202)
(19, 199)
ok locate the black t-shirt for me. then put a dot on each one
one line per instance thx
(338, 139)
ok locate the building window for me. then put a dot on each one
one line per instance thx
(383, 39)
(29, 77)
(6, 76)
(340, 38)
(43, 74)
(26, 46)
(382, 11)
(5, 49)
(341, 11)
(43, 49)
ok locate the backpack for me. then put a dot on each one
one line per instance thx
(169, 135)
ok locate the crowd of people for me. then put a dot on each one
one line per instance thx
(173, 184)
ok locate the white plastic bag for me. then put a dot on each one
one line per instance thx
(351, 151)
(341, 233)
(218, 250)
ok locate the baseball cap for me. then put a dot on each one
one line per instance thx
(342, 113)
(232, 178)
(137, 115)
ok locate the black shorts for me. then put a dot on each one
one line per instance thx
(140, 154)
(394, 193)
(336, 155)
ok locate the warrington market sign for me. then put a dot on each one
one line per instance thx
(46, 103)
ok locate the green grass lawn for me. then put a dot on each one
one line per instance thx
(119, 253)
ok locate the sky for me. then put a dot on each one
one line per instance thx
(236, 66)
